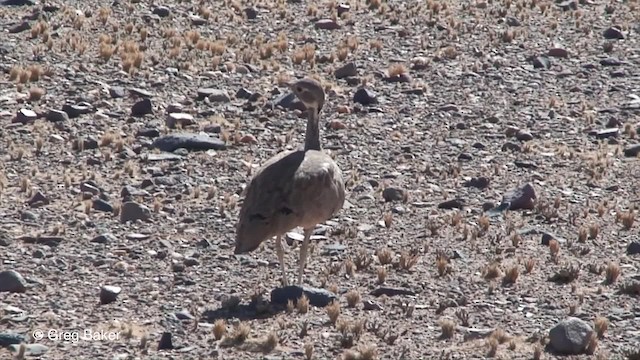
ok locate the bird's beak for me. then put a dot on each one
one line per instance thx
(290, 85)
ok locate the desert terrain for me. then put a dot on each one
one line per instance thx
(489, 150)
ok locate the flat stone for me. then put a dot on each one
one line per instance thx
(12, 281)
(389, 291)
(132, 211)
(109, 294)
(189, 141)
(317, 297)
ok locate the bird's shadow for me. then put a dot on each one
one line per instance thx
(259, 309)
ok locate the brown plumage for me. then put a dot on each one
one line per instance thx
(303, 187)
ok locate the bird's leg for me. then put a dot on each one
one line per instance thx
(303, 253)
(280, 253)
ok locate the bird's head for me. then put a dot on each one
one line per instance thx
(309, 92)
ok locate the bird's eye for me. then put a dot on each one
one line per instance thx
(299, 89)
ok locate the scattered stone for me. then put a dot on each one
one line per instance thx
(452, 204)
(163, 156)
(568, 5)
(189, 141)
(102, 205)
(23, 26)
(449, 108)
(327, 24)
(140, 92)
(389, 291)
(317, 297)
(38, 199)
(632, 150)
(57, 116)
(214, 95)
(633, 248)
(104, 238)
(9, 338)
(365, 97)
(162, 11)
(30, 349)
(17, 3)
(371, 305)
(117, 92)
(346, 70)
(522, 198)
(343, 8)
(611, 62)
(25, 116)
(612, 33)
(605, 133)
(165, 343)
(48, 240)
(148, 132)
(393, 194)
(132, 211)
(512, 21)
(142, 108)
(251, 13)
(570, 336)
(76, 110)
(109, 294)
(541, 62)
(524, 135)
(183, 119)
(558, 52)
(477, 182)
(12, 281)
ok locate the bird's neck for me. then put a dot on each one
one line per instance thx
(312, 135)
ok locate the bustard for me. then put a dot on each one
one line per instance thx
(302, 187)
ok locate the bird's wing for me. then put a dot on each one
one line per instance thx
(288, 191)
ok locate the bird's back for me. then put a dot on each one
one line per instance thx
(294, 188)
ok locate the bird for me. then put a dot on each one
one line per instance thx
(295, 188)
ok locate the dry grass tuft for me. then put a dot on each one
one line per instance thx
(448, 328)
(353, 298)
(333, 310)
(601, 324)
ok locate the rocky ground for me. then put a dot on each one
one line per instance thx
(489, 147)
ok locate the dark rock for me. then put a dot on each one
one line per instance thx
(317, 297)
(117, 92)
(109, 294)
(327, 24)
(524, 135)
(162, 11)
(132, 211)
(104, 238)
(17, 3)
(570, 336)
(452, 204)
(633, 248)
(541, 62)
(165, 342)
(76, 110)
(605, 133)
(289, 101)
(190, 141)
(478, 182)
(511, 147)
(251, 13)
(8, 338)
(243, 93)
(23, 26)
(525, 164)
(393, 194)
(148, 132)
(632, 150)
(101, 205)
(522, 198)
(613, 32)
(388, 291)
(142, 108)
(57, 116)
(346, 70)
(568, 5)
(365, 97)
(51, 241)
(25, 116)
(610, 62)
(12, 281)
(343, 8)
